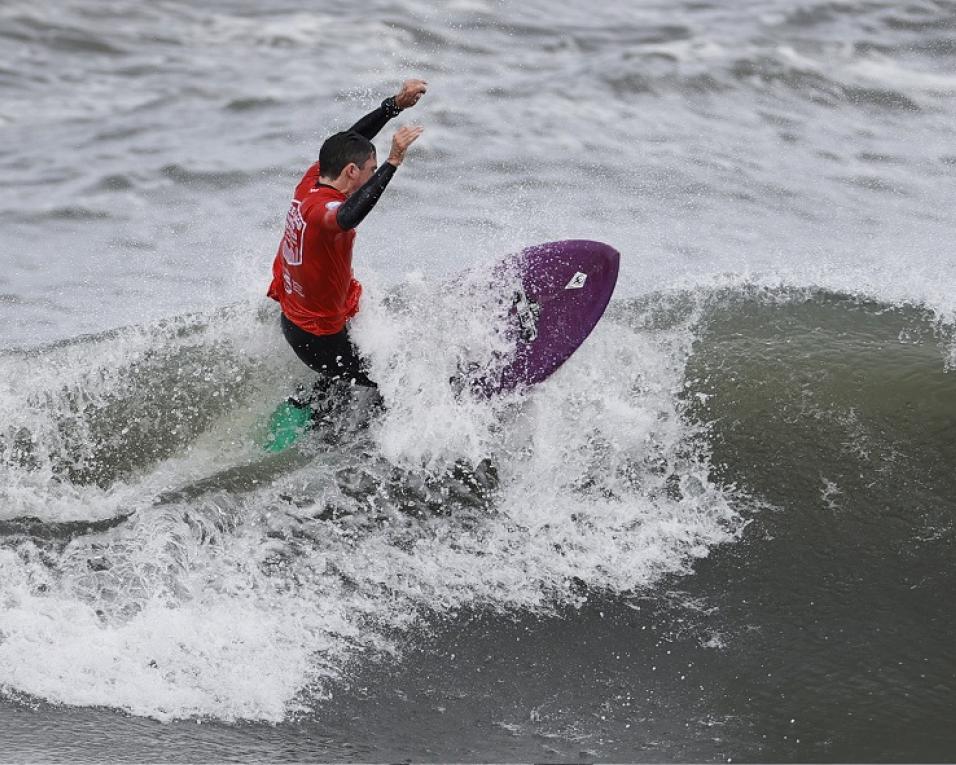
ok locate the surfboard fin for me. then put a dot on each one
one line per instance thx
(528, 313)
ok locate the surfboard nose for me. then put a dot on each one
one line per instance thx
(589, 248)
(602, 262)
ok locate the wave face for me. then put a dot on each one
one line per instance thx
(829, 386)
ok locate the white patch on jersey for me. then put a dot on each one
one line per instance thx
(332, 205)
(577, 281)
(293, 235)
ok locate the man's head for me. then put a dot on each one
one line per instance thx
(347, 161)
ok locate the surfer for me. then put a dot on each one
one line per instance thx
(312, 276)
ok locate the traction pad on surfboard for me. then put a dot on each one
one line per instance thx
(289, 420)
(335, 408)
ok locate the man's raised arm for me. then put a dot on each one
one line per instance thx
(374, 121)
(360, 204)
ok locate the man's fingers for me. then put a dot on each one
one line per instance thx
(411, 92)
(404, 137)
(408, 133)
(410, 138)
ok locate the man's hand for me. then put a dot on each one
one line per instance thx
(404, 137)
(411, 91)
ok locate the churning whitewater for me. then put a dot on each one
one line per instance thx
(180, 571)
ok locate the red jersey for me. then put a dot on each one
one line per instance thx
(312, 273)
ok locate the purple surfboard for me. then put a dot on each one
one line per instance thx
(557, 292)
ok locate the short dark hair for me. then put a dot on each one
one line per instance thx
(341, 149)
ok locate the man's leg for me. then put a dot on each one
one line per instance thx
(338, 364)
(333, 356)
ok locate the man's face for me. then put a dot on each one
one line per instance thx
(361, 174)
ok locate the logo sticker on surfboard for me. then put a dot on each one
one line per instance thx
(577, 281)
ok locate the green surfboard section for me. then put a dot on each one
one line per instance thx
(286, 424)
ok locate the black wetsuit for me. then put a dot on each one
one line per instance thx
(332, 356)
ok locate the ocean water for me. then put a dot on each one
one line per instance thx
(724, 530)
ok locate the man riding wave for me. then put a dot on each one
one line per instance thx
(312, 276)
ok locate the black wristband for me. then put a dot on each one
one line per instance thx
(391, 107)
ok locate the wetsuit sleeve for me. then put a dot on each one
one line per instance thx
(353, 211)
(374, 121)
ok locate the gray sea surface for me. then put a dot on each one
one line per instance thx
(724, 530)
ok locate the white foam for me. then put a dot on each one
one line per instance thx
(414, 352)
(226, 655)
